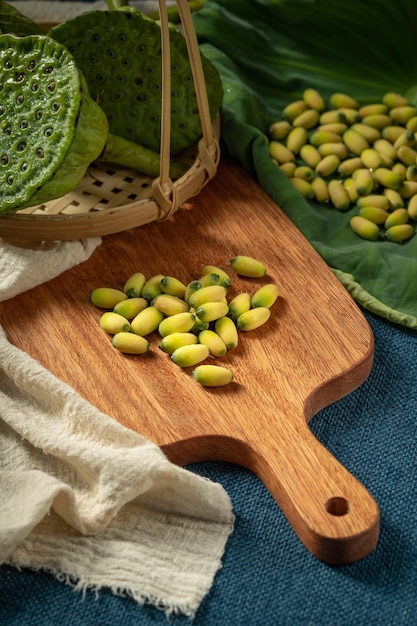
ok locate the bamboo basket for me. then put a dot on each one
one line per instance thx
(111, 199)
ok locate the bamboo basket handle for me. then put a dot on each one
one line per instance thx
(208, 147)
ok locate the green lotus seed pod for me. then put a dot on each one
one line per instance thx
(107, 297)
(212, 375)
(126, 48)
(113, 323)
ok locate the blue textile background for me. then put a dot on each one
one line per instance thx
(268, 578)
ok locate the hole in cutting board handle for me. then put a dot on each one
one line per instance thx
(337, 506)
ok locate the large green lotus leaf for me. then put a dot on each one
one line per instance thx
(267, 52)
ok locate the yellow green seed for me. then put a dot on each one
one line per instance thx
(394, 199)
(280, 153)
(373, 214)
(412, 207)
(265, 296)
(146, 322)
(350, 186)
(227, 331)
(317, 138)
(377, 200)
(107, 297)
(305, 172)
(171, 342)
(411, 173)
(328, 165)
(248, 266)
(170, 305)
(320, 189)
(412, 124)
(131, 307)
(253, 318)
(239, 304)
(388, 178)
(210, 311)
(400, 169)
(212, 375)
(340, 100)
(173, 286)
(113, 323)
(338, 149)
(408, 188)
(402, 114)
(288, 168)
(407, 155)
(399, 233)
(279, 130)
(307, 119)
(355, 141)
(310, 155)
(296, 139)
(347, 167)
(399, 216)
(391, 133)
(371, 158)
(371, 134)
(329, 117)
(211, 293)
(187, 356)
(334, 127)
(365, 228)
(134, 285)
(129, 343)
(352, 116)
(293, 109)
(194, 285)
(303, 186)
(385, 149)
(213, 341)
(209, 279)
(378, 108)
(225, 279)
(364, 181)
(378, 121)
(392, 99)
(152, 287)
(339, 197)
(406, 138)
(314, 99)
(178, 323)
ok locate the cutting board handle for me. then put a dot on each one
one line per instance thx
(331, 511)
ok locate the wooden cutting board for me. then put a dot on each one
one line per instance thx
(316, 348)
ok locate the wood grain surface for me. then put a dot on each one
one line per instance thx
(316, 348)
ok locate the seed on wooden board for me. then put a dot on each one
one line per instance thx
(147, 321)
(178, 323)
(248, 266)
(212, 375)
(131, 307)
(187, 356)
(252, 319)
(107, 297)
(134, 285)
(130, 343)
(113, 323)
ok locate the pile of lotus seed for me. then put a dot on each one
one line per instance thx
(347, 155)
(195, 321)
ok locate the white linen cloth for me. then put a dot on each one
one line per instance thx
(83, 497)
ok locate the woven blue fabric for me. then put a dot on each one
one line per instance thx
(268, 578)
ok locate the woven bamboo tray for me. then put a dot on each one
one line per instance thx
(112, 199)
